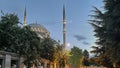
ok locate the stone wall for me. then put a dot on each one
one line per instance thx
(9, 60)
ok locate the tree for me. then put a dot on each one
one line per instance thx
(76, 55)
(31, 47)
(18, 40)
(8, 28)
(100, 57)
(48, 49)
(86, 57)
(107, 28)
(61, 56)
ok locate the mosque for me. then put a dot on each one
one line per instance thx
(6, 58)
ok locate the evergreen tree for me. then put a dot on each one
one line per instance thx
(85, 59)
(107, 30)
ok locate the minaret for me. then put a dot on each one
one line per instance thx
(24, 23)
(64, 28)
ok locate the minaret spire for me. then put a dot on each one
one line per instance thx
(24, 23)
(64, 16)
(64, 28)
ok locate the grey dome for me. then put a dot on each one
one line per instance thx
(35, 25)
(39, 29)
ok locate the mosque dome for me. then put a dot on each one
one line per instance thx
(40, 30)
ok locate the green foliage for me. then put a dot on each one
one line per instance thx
(76, 55)
(86, 54)
(48, 49)
(61, 56)
(107, 30)
(31, 46)
(19, 40)
(86, 57)
(7, 25)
